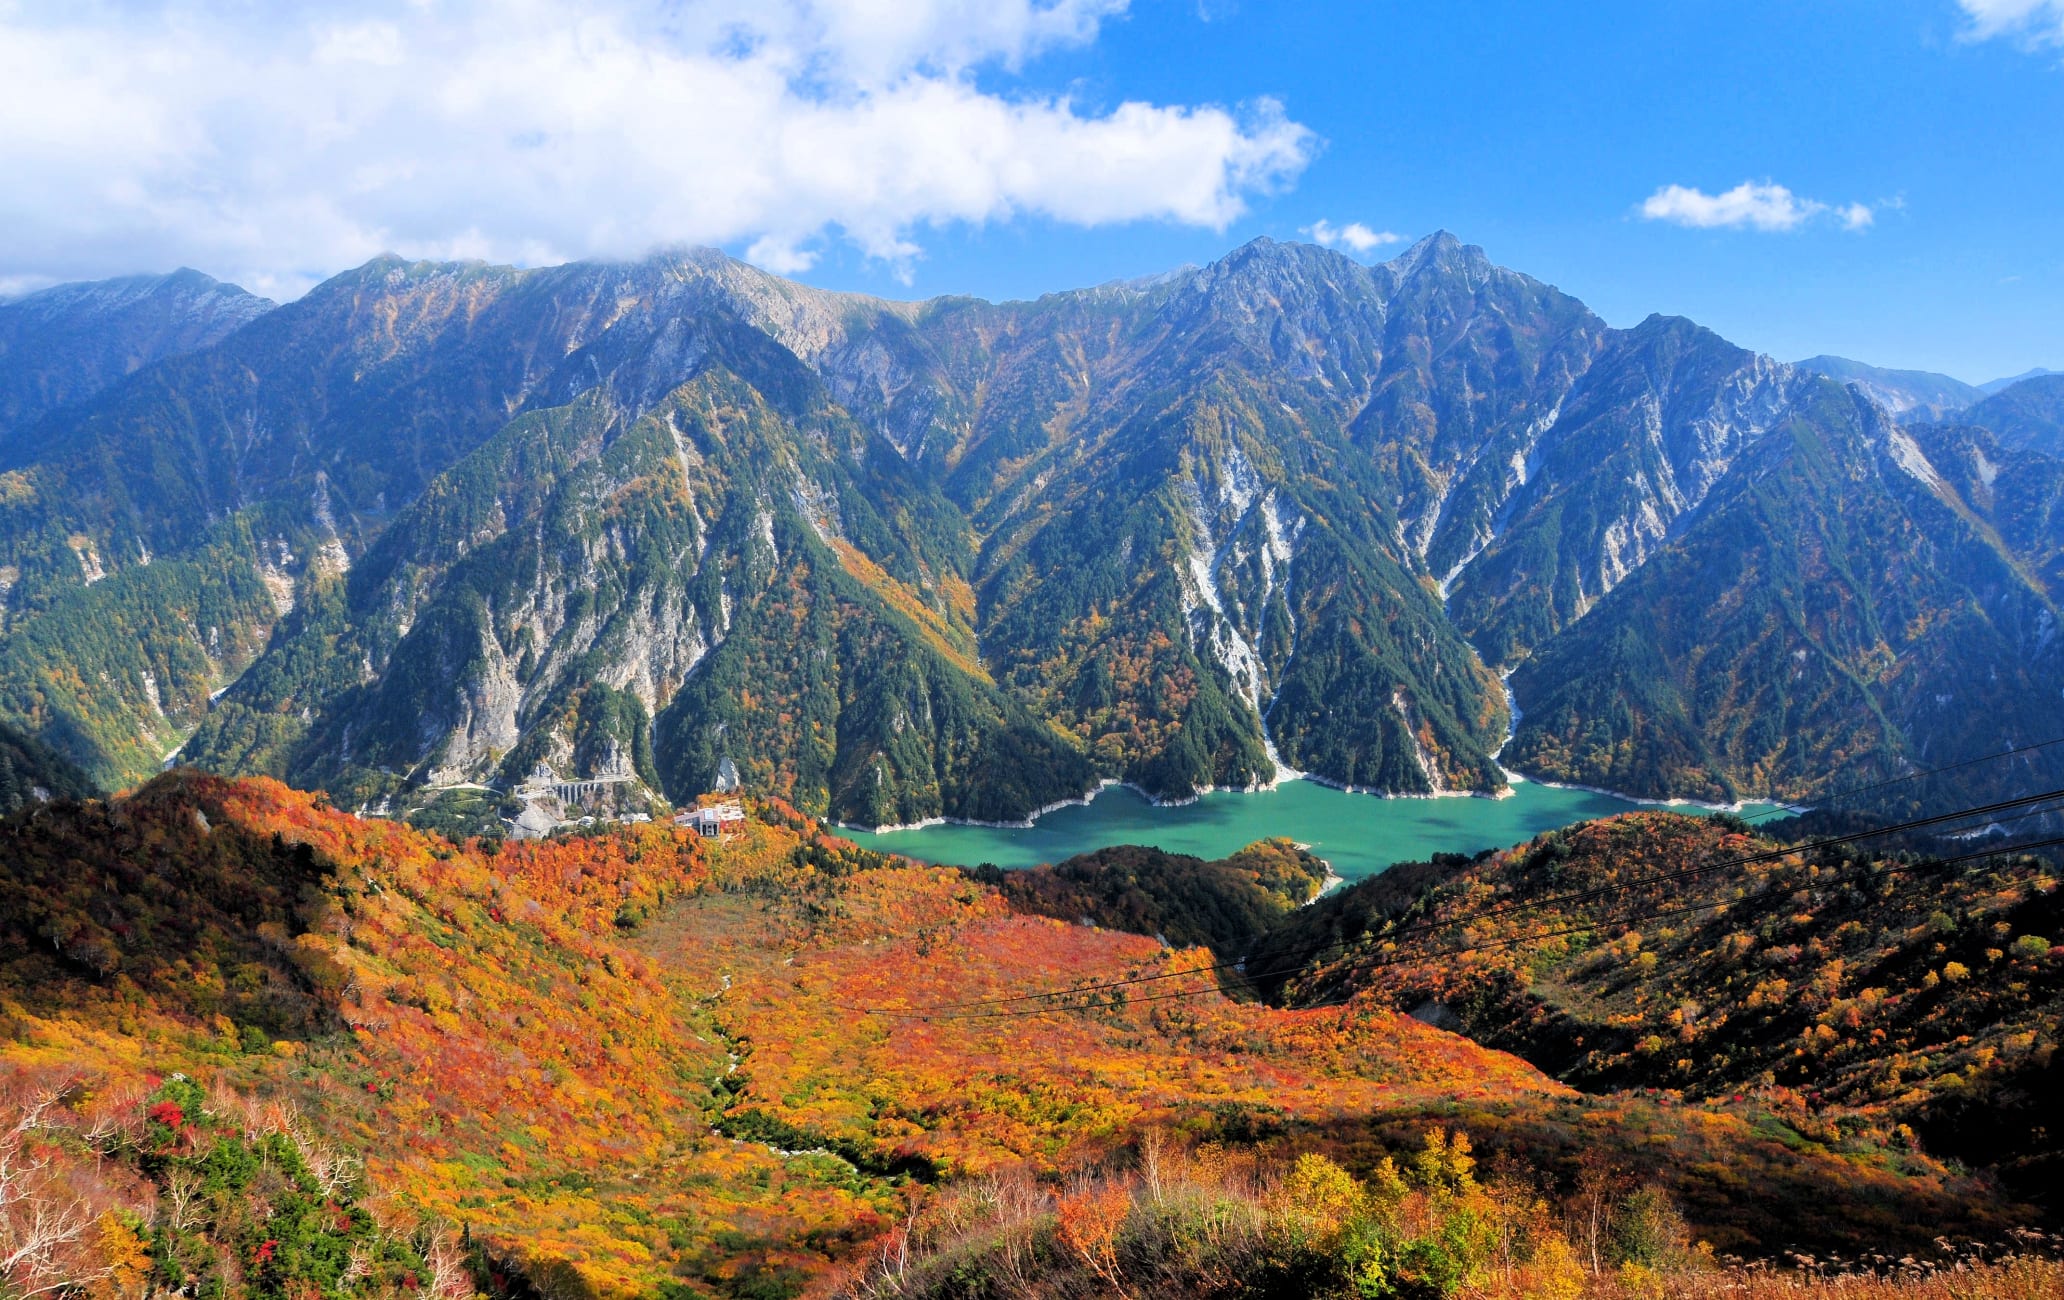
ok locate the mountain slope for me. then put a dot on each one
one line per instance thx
(67, 343)
(1887, 995)
(1287, 426)
(2027, 414)
(275, 459)
(32, 772)
(640, 1063)
(1824, 616)
(2017, 495)
(1909, 394)
(1637, 444)
(716, 580)
(1192, 574)
(672, 520)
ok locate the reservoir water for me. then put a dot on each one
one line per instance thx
(1359, 834)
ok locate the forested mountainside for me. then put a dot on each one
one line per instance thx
(1908, 1000)
(435, 524)
(1838, 598)
(251, 1045)
(65, 344)
(33, 772)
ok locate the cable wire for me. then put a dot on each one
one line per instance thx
(1853, 791)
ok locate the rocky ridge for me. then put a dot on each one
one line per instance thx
(1285, 513)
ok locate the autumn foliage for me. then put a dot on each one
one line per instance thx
(1881, 1004)
(635, 1062)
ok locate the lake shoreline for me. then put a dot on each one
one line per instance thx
(1736, 807)
(1087, 797)
(1357, 836)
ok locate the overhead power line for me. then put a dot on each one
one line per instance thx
(1853, 791)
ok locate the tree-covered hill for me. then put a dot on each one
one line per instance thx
(2028, 415)
(1226, 905)
(642, 1063)
(1899, 1000)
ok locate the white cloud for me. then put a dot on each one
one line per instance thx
(14, 286)
(1765, 206)
(1354, 236)
(273, 147)
(2040, 22)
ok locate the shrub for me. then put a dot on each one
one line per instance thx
(1648, 1230)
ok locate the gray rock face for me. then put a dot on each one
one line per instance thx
(1661, 415)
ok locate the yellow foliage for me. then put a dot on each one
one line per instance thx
(1321, 1194)
(1554, 1273)
(125, 1257)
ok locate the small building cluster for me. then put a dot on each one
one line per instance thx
(714, 822)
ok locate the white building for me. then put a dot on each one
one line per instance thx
(715, 821)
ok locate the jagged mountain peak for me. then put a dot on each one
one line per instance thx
(1662, 323)
(1166, 523)
(1440, 252)
(390, 276)
(1266, 258)
(1666, 339)
(1125, 288)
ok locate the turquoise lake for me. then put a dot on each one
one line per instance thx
(1359, 834)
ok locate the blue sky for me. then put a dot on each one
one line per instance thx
(1879, 179)
(1538, 131)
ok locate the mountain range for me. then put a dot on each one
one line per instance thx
(1914, 395)
(1992, 386)
(1908, 394)
(681, 520)
(67, 343)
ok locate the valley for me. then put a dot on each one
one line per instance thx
(443, 590)
(838, 650)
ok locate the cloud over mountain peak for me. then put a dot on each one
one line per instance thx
(528, 132)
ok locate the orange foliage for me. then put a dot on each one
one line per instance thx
(638, 1057)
